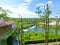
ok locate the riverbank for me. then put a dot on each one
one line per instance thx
(50, 26)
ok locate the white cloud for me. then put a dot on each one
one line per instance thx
(49, 2)
(44, 4)
(22, 9)
(28, 1)
(40, 4)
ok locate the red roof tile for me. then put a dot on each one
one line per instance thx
(6, 23)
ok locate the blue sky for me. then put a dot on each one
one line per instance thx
(27, 8)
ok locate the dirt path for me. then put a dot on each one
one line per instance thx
(51, 43)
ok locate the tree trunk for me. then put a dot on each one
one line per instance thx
(47, 27)
(56, 29)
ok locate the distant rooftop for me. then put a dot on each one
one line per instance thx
(4, 23)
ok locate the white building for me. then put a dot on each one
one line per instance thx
(52, 23)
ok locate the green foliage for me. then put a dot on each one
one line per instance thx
(4, 13)
(38, 11)
(47, 13)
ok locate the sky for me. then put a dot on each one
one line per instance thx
(27, 8)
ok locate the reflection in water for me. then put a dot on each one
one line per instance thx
(12, 41)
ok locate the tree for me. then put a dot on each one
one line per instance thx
(4, 12)
(56, 28)
(47, 13)
(38, 12)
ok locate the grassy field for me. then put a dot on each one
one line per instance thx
(38, 36)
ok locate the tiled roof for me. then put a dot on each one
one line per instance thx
(4, 23)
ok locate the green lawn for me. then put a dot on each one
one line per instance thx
(37, 36)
